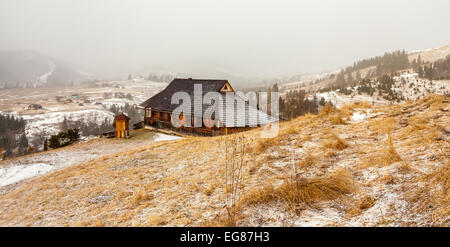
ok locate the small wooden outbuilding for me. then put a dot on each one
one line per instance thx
(122, 123)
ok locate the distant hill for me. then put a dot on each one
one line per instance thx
(431, 55)
(366, 69)
(29, 68)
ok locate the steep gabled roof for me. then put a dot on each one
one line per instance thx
(161, 101)
(235, 118)
(121, 117)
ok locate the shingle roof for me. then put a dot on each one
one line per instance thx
(235, 118)
(161, 101)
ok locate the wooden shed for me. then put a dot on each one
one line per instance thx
(122, 123)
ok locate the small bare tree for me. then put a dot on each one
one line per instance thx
(235, 150)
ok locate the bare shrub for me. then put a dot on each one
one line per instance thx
(235, 150)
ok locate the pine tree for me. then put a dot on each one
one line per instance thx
(414, 64)
(23, 144)
(349, 77)
(275, 88)
(45, 144)
(64, 125)
(358, 75)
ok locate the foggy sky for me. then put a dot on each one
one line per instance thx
(251, 38)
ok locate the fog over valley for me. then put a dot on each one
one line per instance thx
(243, 41)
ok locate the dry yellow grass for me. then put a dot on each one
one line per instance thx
(264, 143)
(181, 182)
(383, 126)
(385, 155)
(309, 191)
(334, 116)
(433, 197)
(307, 162)
(360, 205)
(156, 220)
(140, 196)
(390, 154)
(305, 191)
(326, 110)
(334, 142)
(388, 179)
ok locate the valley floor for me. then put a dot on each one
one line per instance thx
(356, 166)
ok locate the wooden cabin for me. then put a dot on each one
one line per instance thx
(158, 109)
(122, 123)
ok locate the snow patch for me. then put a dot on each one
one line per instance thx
(14, 174)
(163, 137)
(358, 117)
(43, 78)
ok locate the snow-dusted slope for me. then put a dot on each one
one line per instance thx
(411, 87)
(49, 123)
(25, 167)
(406, 86)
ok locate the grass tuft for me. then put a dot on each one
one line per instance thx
(307, 162)
(140, 196)
(390, 154)
(295, 191)
(335, 143)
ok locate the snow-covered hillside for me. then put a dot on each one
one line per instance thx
(406, 86)
(411, 87)
(48, 124)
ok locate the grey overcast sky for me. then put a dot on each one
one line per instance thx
(246, 37)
